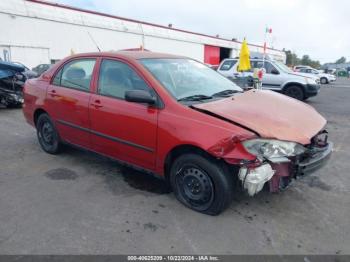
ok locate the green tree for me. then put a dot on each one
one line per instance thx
(306, 60)
(292, 58)
(341, 60)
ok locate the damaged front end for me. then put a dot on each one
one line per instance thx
(276, 163)
(11, 84)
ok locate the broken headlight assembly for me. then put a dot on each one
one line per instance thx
(273, 150)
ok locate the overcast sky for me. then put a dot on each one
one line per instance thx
(320, 28)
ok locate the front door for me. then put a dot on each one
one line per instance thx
(123, 130)
(68, 99)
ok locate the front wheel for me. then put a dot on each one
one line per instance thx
(324, 80)
(295, 92)
(201, 183)
(47, 135)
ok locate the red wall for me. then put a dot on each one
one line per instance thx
(211, 55)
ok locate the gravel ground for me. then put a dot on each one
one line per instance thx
(80, 203)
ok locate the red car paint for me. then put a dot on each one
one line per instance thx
(141, 135)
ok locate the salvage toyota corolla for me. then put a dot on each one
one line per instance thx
(177, 118)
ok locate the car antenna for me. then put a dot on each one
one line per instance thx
(93, 40)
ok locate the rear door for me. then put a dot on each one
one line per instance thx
(68, 99)
(120, 129)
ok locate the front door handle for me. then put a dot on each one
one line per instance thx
(97, 104)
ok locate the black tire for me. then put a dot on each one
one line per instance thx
(295, 91)
(323, 80)
(47, 135)
(201, 183)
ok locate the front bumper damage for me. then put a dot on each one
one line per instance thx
(279, 174)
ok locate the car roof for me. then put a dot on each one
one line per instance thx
(129, 54)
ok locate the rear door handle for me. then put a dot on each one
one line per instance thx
(97, 104)
(54, 94)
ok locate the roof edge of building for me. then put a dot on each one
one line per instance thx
(136, 21)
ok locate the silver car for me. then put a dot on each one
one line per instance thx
(277, 77)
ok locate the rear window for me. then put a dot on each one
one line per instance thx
(227, 65)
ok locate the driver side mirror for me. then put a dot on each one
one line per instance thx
(140, 96)
(275, 72)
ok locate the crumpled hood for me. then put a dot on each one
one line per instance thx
(270, 114)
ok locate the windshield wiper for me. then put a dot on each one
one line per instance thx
(226, 92)
(195, 98)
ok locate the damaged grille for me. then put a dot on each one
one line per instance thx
(317, 151)
(318, 144)
(320, 140)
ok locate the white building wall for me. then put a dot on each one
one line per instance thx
(193, 50)
(45, 32)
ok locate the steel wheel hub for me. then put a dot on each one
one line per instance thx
(47, 133)
(195, 186)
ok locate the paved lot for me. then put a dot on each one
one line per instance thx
(79, 203)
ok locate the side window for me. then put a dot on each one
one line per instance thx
(227, 65)
(57, 79)
(256, 64)
(269, 67)
(117, 77)
(76, 74)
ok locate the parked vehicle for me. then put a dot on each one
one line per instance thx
(177, 118)
(27, 72)
(298, 67)
(324, 78)
(11, 84)
(39, 69)
(278, 77)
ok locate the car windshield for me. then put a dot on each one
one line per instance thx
(283, 67)
(186, 79)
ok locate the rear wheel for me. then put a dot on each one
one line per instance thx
(295, 92)
(47, 135)
(201, 183)
(323, 80)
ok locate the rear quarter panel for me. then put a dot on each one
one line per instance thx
(34, 94)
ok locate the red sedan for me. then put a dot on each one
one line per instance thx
(177, 118)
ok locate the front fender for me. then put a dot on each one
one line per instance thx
(217, 137)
